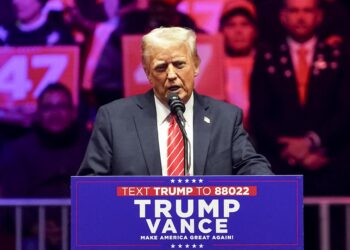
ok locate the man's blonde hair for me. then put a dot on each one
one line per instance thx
(162, 37)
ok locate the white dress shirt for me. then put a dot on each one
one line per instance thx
(163, 126)
(294, 46)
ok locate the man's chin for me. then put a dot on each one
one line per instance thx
(184, 97)
(302, 36)
(181, 94)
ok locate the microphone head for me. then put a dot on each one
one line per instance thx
(175, 103)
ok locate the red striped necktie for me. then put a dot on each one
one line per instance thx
(303, 72)
(175, 150)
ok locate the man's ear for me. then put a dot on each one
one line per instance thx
(146, 70)
(196, 71)
(320, 16)
(282, 17)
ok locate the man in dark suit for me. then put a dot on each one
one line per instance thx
(299, 111)
(300, 96)
(130, 135)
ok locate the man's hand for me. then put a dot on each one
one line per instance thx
(295, 149)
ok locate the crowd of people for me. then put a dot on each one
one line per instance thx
(286, 67)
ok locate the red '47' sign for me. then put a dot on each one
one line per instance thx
(26, 71)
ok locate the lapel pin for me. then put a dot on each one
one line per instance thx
(268, 56)
(334, 65)
(288, 73)
(271, 70)
(206, 119)
(336, 53)
(320, 64)
(284, 60)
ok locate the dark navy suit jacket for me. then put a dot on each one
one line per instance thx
(125, 140)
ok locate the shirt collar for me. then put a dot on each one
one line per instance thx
(309, 44)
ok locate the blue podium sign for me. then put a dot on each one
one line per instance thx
(202, 212)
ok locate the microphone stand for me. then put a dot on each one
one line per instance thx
(181, 124)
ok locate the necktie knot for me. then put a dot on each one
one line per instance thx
(302, 52)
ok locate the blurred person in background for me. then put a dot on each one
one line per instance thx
(101, 36)
(336, 16)
(299, 108)
(299, 98)
(34, 26)
(48, 155)
(159, 13)
(37, 23)
(107, 80)
(238, 26)
(39, 165)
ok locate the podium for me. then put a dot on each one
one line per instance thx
(187, 212)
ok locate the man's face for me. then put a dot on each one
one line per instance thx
(55, 112)
(171, 69)
(239, 34)
(301, 18)
(27, 11)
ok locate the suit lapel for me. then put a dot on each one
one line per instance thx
(146, 125)
(289, 75)
(201, 133)
(317, 68)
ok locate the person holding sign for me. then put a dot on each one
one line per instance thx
(142, 135)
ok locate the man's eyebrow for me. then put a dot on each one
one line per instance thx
(160, 64)
(179, 60)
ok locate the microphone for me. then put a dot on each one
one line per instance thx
(177, 107)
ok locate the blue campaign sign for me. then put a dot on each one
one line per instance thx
(202, 212)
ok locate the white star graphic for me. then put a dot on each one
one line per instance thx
(187, 246)
(172, 181)
(200, 180)
(172, 246)
(194, 180)
(179, 181)
(187, 180)
(201, 246)
(180, 246)
(194, 246)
